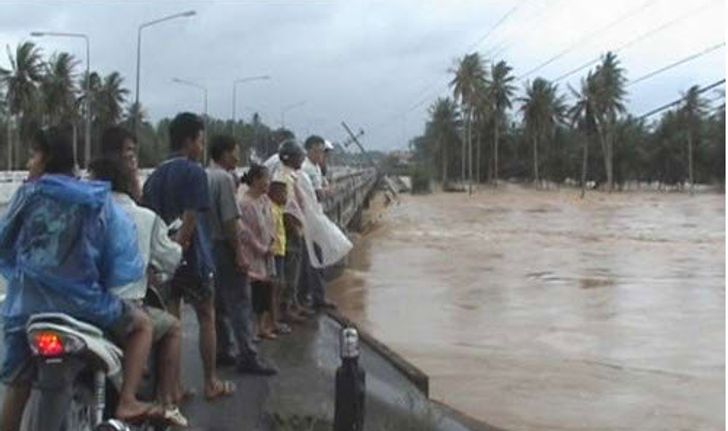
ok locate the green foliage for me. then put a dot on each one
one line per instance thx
(421, 179)
(592, 140)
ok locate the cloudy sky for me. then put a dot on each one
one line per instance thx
(375, 64)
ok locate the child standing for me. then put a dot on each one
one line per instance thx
(258, 234)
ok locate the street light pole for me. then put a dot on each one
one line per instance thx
(87, 90)
(288, 108)
(204, 108)
(235, 84)
(135, 119)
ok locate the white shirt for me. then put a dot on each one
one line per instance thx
(313, 171)
(155, 246)
(273, 163)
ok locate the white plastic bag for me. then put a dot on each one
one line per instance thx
(318, 229)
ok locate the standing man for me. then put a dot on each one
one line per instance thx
(178, 189)
(312, 279)
(233, 287)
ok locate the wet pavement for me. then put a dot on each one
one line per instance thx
(301, 397)
(535, 310)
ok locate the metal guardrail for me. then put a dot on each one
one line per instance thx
(350, 186)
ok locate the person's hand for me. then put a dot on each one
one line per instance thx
(241, 262)
(178, 239)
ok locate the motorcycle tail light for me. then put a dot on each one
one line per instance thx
(48, 344)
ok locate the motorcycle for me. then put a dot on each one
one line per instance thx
(79, 377)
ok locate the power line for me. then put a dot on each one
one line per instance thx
(634, 41)
(434, 86)
(676, 102)
(510, 12)
(677, 63)
(607, 27)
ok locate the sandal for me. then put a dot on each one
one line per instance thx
(282, 329)
(174, 417)
(223, 388)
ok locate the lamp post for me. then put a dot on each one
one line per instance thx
(288, 108)
(87, 152)
(235, 88)
(186, 14)
(204, 108)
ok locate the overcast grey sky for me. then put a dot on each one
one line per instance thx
(366, 62)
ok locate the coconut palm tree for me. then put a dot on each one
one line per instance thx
(501, 89)
(542, 110)
(21, 87)
(469, 76)
(444, 124)
(58, 88)
(111, 98)
(482, 115)
(583, 117)
(609, 105)
(691, 116)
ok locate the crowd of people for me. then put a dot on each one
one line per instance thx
(246, 253)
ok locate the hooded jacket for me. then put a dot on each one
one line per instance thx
(63, 245)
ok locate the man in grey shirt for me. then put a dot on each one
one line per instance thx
(233, 300)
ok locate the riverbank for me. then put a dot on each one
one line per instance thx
(538, 310)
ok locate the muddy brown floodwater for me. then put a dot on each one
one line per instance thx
(535, 310)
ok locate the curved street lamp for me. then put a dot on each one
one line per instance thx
(288, 108)
(235, 88)
(186, 14)
(204, 107)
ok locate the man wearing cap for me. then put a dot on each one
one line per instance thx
(312, 280)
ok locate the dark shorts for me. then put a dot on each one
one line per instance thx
(186, 284)
(19, 368)
(262, 296)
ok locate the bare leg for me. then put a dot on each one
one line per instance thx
(208, 342)
(136, 352)
(13, 406)
(169, 365)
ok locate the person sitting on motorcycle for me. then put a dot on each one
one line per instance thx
(161, 255)
(63, 244)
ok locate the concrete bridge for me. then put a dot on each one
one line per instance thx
(351, 188)
(397, 392)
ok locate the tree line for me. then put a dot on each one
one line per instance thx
(477, 136)
(39, 91)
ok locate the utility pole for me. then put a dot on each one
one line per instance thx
(354, 138)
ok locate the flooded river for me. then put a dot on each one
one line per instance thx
(540, 311)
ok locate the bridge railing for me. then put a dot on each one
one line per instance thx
(349, 191)
(349, 186)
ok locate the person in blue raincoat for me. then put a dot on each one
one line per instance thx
(63, 245)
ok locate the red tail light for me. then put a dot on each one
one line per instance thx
(49, 344)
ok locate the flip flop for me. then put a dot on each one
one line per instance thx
(174, 417)
(283, 329)
(224, 388)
